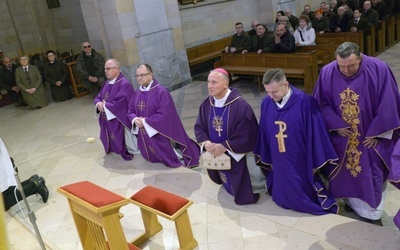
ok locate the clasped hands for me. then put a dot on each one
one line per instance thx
(215, 149)
(368, 142)
(92, 79)
(101, 105)
(139, 122)
(31, 91)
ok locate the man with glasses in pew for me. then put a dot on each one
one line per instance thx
(90, 66)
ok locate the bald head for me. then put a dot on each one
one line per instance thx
(7, 62)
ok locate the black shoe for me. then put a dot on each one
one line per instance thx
(376, 222)
(347, 208)
(42, 190)
(33, 178)
(17, 104)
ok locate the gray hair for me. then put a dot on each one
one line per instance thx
(346, 49)
(274, 75)
(117, 64)
(24, 56)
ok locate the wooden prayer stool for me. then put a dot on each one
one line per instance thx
(152, 202)
(96, 214)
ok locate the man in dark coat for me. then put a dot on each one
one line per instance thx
(284, 42)
(90, 66)
(7, 81)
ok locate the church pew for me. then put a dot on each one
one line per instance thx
(325, 52)
(206, 51)
(397, 28)
(380, 44)
(76, 82)
(370, 41)
(340, 37)
(295, 65)
(390, 24)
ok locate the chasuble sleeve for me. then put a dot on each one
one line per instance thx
(262, 149)
(319, 145)
(162, 115)
(118, 105)
(242, 127)
(387, 106)
(201, 126)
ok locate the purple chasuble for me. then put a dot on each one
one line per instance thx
(158, 109)
(293, 141)
(396, 219)
(394, 175)
(235, 126)
(117, 98)
(369, 104)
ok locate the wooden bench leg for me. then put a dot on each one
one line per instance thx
(151, 227)
(114, 232)
(184, 231)
(97, 237)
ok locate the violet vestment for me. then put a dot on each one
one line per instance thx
(157, 107)
(369, 104)
(235, 126)
(292, 144)
(112, 129)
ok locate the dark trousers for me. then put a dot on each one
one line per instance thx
(9, 196)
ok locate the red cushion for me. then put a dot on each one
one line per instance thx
(160, 200)
(93, 194)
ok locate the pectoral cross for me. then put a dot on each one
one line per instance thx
(106, 96)
(141, 105)
(217, 124)
(280, 136)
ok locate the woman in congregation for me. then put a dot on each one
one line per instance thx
(320, 23)
(304, 34)
(56, 74)
(279, 14)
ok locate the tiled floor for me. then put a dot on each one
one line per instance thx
(216, 221)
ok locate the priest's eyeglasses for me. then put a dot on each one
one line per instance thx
(107, 69)
(141, 75)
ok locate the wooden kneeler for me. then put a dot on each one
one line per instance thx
(96, 214)
(152, 202)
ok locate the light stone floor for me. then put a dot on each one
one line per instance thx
(216, 221)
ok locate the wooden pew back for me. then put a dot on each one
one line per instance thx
(325, 52)
(206, 51)
(295, 65)
(341, 37)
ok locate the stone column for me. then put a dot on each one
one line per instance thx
(137, 31)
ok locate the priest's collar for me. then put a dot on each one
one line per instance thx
(285, 99)
(146, 88)
(220, 102)
(112, 81)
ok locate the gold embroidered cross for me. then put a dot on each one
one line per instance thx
(141, 105)
(217, 124)
(280, 136)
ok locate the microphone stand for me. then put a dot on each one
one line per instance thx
(31, 214)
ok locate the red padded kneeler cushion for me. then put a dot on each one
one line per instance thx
(93, 194)
(160, 200)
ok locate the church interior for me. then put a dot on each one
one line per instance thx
(51, 141)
